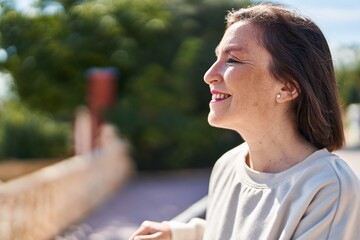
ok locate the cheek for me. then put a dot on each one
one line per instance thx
(249, 86)
(241, 85)
(241, 76)
(251, 95)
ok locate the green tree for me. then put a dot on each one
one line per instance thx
(162, 49)
(25, 134)
(48, 54)
(348, 77)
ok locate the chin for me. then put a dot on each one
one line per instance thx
(215, 122)
(220, 122)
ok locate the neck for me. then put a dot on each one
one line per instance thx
(278, 148)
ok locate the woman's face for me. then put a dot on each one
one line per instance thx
(243, 90)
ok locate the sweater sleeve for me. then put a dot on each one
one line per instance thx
(334, 212)
(193, 230)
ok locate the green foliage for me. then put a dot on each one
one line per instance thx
(164, 108)
(26, 135)
(162, 48)
(348, 77)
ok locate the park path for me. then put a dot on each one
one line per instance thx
(154, 196)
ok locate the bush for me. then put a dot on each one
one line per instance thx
(162, 49)
(27, 135)
(163, 106)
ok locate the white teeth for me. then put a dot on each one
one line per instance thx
(220, 96)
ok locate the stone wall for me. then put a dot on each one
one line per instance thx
(39, 205)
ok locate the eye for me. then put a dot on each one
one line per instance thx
(231, 60)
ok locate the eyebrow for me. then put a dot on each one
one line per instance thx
(231, 48)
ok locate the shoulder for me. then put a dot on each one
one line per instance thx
(337, 169)
(321, 175)
(330, 196)
(331, 175)
(343, 175)
(345, 224)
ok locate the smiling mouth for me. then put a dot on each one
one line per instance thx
(219, 97)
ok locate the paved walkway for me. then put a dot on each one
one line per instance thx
(154, 196)
(149, 196)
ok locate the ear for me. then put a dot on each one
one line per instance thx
(289, 91)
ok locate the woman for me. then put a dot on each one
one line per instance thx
(273, 82)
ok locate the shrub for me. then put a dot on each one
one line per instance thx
(26, 134)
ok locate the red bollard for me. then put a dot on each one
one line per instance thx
(101, 94)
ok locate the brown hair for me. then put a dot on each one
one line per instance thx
(301, 56)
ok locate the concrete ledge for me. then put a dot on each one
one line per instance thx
(39, 205)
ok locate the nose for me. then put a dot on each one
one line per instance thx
(213, 74)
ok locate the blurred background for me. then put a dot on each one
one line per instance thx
(161, 50)
(155, 53)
